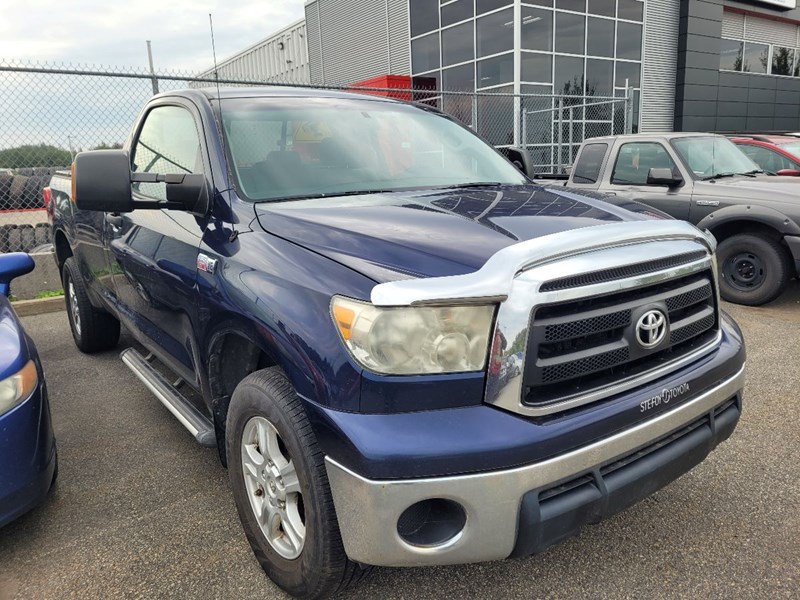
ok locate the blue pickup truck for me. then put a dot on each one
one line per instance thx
(405, 352)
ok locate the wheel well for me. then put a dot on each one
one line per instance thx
(63, 251)
(232, 358)
(726, 230)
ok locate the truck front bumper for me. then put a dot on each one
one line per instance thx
(520, 511)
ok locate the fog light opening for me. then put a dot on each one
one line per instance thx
(432, 522)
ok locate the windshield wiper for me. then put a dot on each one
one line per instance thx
(473, 185)
(326, 195)
(719, 176)
(754, 172)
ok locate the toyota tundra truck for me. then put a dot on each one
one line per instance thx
(405, 352)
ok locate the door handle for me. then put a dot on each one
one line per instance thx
(114, 219)
(611, 193)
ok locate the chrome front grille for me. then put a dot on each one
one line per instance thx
(641, 268)
(579, 346)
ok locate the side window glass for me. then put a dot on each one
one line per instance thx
(635, 161)
(777, 162)
(168, 143)
(767, 159)
(587, 169)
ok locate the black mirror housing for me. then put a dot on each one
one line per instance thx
(663, 176)
(520, 158)
(191, 193)
(102, 181)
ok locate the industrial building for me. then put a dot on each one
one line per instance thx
(717, 65)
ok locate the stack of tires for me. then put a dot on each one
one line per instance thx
(24, 238)
(5, 191)
(23, 189)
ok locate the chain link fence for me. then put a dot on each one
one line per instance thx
(51, 112)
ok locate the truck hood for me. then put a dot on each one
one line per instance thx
(784, 190)
(432, 233)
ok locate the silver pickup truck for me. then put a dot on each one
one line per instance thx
(706, 180)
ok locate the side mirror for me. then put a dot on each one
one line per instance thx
(520, 158)
(13, 265)
(102, 181)
(789, 172)
(663, 177)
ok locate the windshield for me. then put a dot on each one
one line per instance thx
(283, 148)
(710, 157)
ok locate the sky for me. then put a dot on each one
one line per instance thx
(113, 32)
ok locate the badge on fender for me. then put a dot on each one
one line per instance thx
(206, 263)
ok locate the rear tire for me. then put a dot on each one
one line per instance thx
(753, 269)
(93, 330)
(308, 562)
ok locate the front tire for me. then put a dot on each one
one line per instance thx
(753, 269)
(93, 330)
(281, 489)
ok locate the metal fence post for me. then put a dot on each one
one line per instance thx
(628, 108)
(524, 116)
(560, 121)
(571, 132)
(152, 70)
(475, 111)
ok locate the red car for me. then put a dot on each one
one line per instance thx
(779, 154)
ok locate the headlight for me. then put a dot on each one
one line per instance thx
(414, 340)
(18, 387)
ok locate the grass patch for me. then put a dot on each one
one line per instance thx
(49, 294)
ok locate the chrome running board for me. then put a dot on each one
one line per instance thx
(182, 409)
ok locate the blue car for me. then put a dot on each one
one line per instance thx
(28, 463)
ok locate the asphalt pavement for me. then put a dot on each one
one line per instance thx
(141, 511)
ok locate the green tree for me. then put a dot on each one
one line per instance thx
(29, 155)
(518, 345)
(104, 146)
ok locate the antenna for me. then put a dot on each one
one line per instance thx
(234, 233)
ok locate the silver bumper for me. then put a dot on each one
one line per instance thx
(368, 510)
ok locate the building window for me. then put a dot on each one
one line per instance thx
(537, 68)
(425, 53)
(607, 8)
(537, 29)
(757, 54)
(755, 58)
(600, 77)
(730, 55)
(457, 44)
(629, 41)
(599, 37)
(461, 79)
(630, 71)
(457, 11)
(568, 76)
(496, 70)
(484, 6)
(496, 33)
(632, 10)
(575, 5)
(570, 33)
(424, 16)
(782, 60)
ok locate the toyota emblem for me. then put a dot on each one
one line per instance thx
(651, 328)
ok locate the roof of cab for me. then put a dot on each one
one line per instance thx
(211, 93)
(659, 136)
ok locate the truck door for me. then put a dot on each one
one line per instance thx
(92, 233)
(628, 178)
(155, 251)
